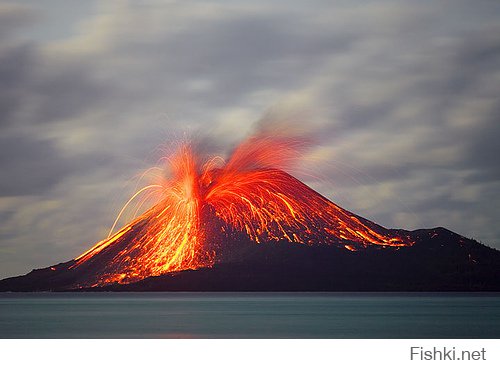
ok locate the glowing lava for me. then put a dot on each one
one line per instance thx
(250, 194)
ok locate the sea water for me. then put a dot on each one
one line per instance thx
(249, 315)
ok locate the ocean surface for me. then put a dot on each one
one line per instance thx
(249, 315)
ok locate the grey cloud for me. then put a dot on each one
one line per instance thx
(235, 55)
(66, 91)
(29, 166)
(35, 93)
(16, 63)
(14, 16)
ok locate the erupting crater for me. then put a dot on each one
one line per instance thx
(249, 195)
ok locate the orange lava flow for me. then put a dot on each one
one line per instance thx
(249, 193)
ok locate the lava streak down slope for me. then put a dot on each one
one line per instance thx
(246, 224)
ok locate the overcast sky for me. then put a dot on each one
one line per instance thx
(402, 99)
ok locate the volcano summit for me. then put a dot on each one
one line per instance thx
(246, 224)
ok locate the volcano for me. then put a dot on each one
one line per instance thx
(246, 224)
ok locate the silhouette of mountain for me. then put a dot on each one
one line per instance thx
(245, 227)
(440, 260)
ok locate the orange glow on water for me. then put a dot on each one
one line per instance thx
(249, 194)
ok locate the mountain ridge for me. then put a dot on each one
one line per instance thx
(246, 224)
(440, 260)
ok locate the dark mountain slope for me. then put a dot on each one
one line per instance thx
(440, 260)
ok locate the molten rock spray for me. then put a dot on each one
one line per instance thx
(250, 193)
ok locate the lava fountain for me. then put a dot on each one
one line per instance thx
(250, 195)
